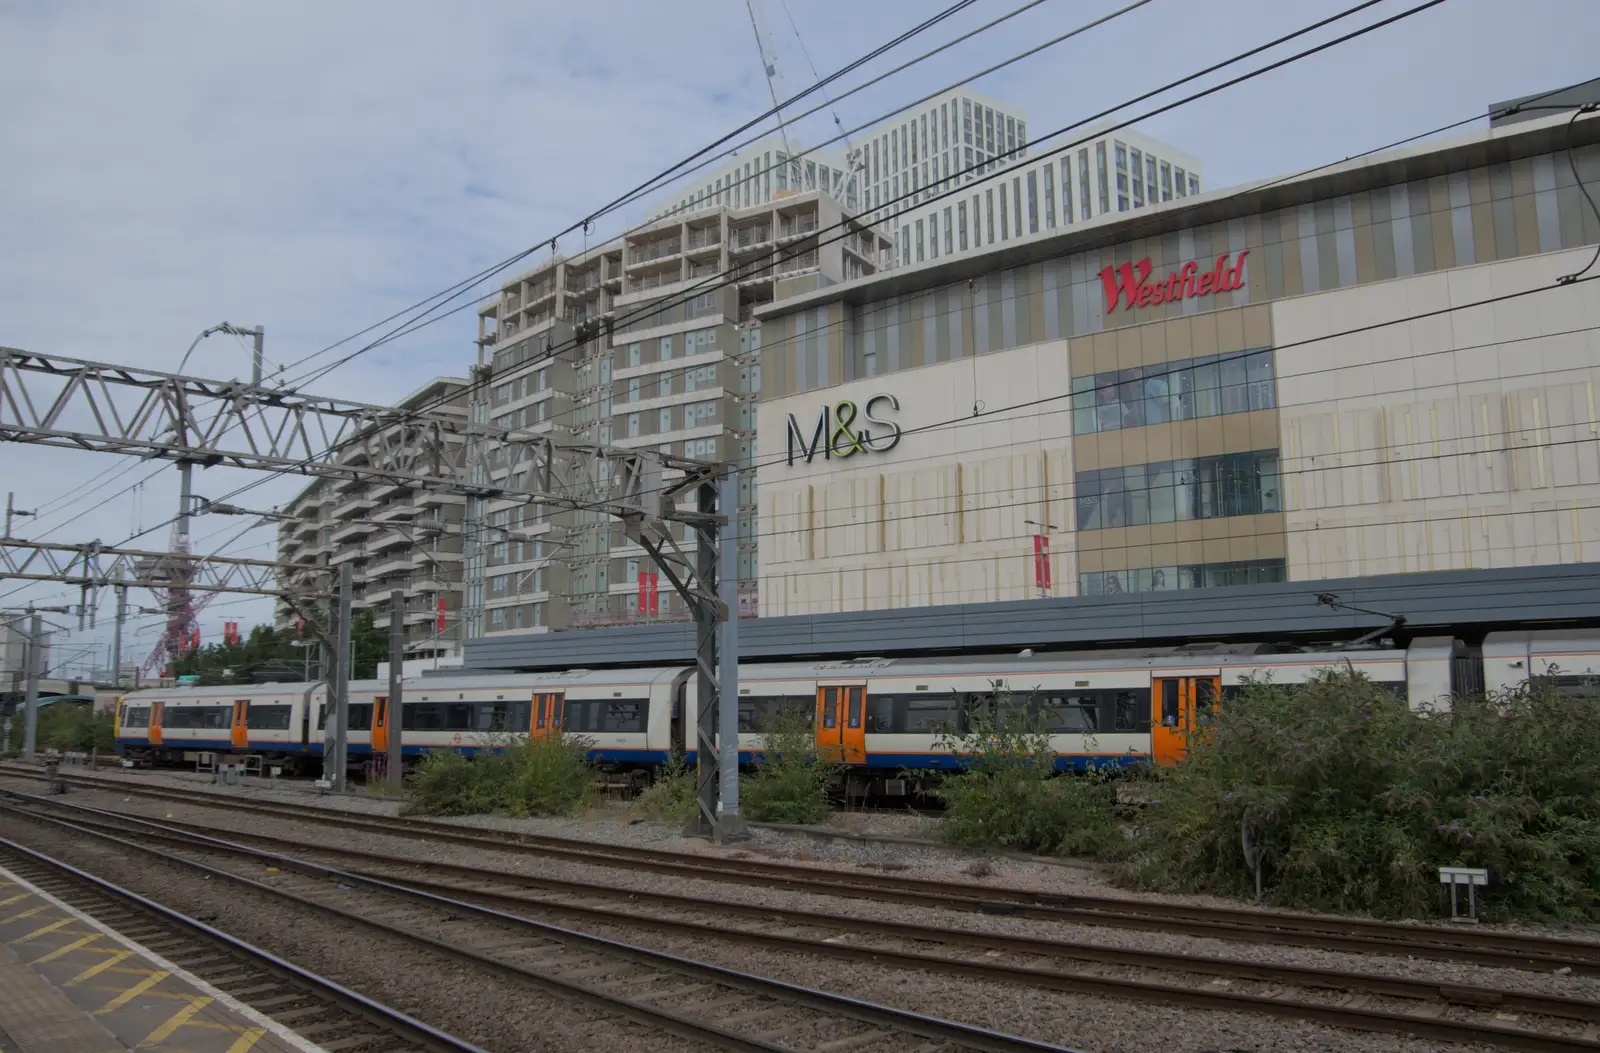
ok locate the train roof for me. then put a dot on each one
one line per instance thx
(561, 680)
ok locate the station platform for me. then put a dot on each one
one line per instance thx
(72, 985)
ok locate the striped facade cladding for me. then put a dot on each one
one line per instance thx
(1468, 602)
(1515, 208)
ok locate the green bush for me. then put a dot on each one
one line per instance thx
(671, 797)
(1008, 795)
(67, 726)
(790, 782)
(1352, 801)
(549, 775)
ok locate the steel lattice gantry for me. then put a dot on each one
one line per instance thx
(95, 566)
(70, 403)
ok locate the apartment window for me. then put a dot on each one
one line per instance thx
(664, 424)
(1180, 185)
(1022, 138)
(1005, 226)
(1216, 487)
(634, 384)
(905, 245)
(633, 425)
(1166, 181)
(947, 232)
(1049, 196)
(1150, 177)
(1011, 135)
(1100, 171)
(1194, 184)
(1083, 185)
(961, 223)
(1190, 389)
(1137, 168)
(665, 384)
(933, 236)
(1122, 158)
(666, 349)
(1122, 202)
(634, 355)
(989, 199)
(919, 241)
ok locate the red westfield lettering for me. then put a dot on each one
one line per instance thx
(1131, 282)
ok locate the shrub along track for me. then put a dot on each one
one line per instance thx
(1369, 1003)
(1358, 935)
(713, 1005)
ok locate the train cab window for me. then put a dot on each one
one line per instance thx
(1126, 710)
(267, 718)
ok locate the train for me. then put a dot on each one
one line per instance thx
(881, 719)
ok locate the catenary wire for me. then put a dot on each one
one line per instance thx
(964, 187)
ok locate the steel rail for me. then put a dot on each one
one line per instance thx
(962, 1035)
(1357, 935)
(393, 1020)
(1352, 1017)
(1463, 994)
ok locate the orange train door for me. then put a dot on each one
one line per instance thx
(547, 713)
(155, 723)
(1177, 703)
(380, 725)
(841, 724)
(241, 725)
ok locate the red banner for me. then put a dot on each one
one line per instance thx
(644, 591)
(655, 606)
(1041, 561)
(441, 614)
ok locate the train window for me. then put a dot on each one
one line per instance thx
(624, 716)
(1128, 708)
(1205, 699)
(1072, 713)
(880, 713)
(853, 706)
(930, 716)
(200, 717)
(458, 716)
(1573, 684)
(830, 713)
(136, 717)
(1169, 703)
(267, 718)
(358, 716)
(425, 717)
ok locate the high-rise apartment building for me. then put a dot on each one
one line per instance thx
(621, 345)
(759, 175)
(393, 537)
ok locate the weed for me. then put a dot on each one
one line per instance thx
(1008, 794)
(549, 775)
(671, 797)
(66, 726)
(1352, 800)
(980, 869)
(790, 782)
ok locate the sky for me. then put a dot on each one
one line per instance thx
(316, 167)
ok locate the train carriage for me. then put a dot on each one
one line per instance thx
(166, 724)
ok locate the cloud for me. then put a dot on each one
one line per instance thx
(314, 167)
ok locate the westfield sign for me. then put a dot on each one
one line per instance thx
(1131, 283)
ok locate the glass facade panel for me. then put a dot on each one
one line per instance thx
(1215, 487)
(1191, 576)
(1238, 382)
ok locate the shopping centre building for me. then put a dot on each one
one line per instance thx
(1373, 368)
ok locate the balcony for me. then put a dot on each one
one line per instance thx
(346, 553)
(799, 226)
(345, 532)
(650, 252)
(305, 529)
(397, 562)
(388, 539)
(402, 508)
(705, 238)
(654, 281)
(353, 505)
(751, 237)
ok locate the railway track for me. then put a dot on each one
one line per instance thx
(1366, 1002)
(1474, 946)
(724, 1007)
(322, 1010)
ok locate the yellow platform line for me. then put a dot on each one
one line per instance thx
(41, 908)
(134, 992)
(76, 945)
(175, 1021)
(52, 927)
(113, 958)
(18, 898)
(247, 1041)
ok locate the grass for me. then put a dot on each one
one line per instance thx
(671, 797)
